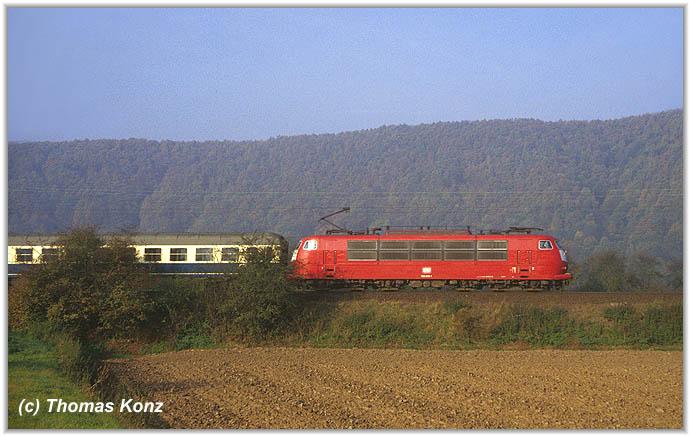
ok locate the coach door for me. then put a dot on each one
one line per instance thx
(524, 258)
(329, 260)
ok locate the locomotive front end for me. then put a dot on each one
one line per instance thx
(305, 258)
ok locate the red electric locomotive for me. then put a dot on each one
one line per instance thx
(426, 257)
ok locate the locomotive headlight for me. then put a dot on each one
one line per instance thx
(294, 255)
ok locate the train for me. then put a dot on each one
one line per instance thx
(197, 254)
(433, 258)
(383, 259)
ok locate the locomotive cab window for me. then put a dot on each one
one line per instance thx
(24, 255)
(204, 254)
(229, 254)
(545, 245)
(309, 245)
(178, 254)
(152, 254)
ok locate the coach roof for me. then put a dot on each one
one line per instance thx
(163, 239)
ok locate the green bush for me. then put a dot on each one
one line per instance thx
(626, 324)
(89, 291)
(178, 304)
(536, 326)
(195, 337)
(662, 325)
(377, 325)
(453, 306)
(656, 325)
(80, 360)
(259, 299)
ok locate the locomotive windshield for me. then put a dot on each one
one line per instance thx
(561, 251)
(294, 252)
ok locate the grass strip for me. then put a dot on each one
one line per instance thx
(34, 373)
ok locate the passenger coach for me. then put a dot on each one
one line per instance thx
(187, 254)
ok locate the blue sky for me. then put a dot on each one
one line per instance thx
(255, 73)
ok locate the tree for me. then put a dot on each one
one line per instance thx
(644, 272)
(604, 272)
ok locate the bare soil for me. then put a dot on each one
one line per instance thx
(365, 388)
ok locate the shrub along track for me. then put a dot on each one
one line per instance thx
(563, 299)
(373, 388)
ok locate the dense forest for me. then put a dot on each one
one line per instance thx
(596, 185)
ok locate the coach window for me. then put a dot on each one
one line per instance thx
(545, 245)
(251, 254)
(204, 254)
(152, 254)
(178, 254)
(229, 254)
(49, 254)
(25, 255)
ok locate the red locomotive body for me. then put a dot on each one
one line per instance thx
(462, 260)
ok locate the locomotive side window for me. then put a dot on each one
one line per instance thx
(545, 245)
(426, 245)
(361, 255)
(459, 255)
(361, 245)
(49, 254)
(152, 254)
(25, 255)
(459, 250)
(178, 254)
(394, 250)
(427, 250)
(492, 245)
(362, 250)
(394, 245)
(394, 255)
(204, 254)
(229, 254)
(427, 255)
(492, 255)
(492, 250)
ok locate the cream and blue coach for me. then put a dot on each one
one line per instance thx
(182, 253)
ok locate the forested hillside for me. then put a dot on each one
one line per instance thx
(594, 184)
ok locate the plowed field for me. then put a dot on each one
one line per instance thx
(343, 388)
